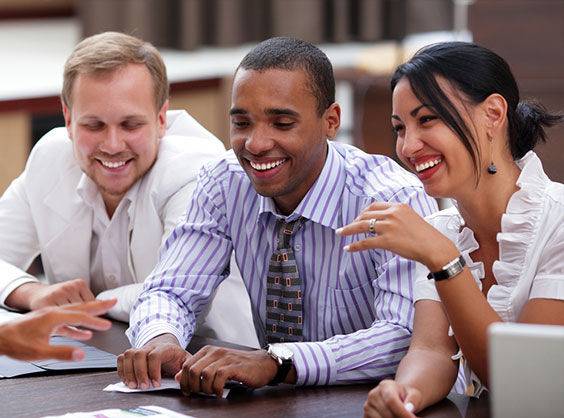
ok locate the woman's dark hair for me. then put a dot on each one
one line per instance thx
(477, 72)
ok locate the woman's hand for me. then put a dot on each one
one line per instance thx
(398, 228)
(391, 399)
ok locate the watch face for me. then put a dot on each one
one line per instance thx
(281, 351)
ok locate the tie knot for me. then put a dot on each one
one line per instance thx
(286, 230)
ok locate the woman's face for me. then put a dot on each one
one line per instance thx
(428, 146)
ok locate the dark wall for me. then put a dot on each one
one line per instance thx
(529, 34)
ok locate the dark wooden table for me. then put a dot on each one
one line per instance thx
(58, 394)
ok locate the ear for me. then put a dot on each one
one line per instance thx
(162, 119)
(332, 117)
(495, 109)
(67, 116)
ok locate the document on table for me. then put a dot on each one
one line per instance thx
(94, 357)
(139, 411)
(166, 383)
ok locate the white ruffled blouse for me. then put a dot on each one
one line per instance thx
(531, 251)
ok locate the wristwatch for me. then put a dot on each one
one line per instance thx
(449, 270)
(283, 357)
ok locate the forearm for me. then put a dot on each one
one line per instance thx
(431, 372)
(4, 351)
(20, 297)
(366, 355)
(158, 313)
(470, 315)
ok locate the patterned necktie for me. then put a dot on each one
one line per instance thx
(284, 289)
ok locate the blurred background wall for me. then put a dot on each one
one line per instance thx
(528, 33)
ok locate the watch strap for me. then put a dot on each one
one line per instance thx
(449, 270)
(284, 367)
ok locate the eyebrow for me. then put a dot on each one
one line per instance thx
(413, 113)
(281, 112)
(93, 118)
(268, 112)
(237, 111)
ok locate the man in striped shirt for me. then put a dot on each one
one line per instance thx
(357, 307)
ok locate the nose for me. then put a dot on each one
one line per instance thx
(259, 141)
(410, 144)
(113, 143)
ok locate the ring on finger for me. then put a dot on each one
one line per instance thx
(371, 225)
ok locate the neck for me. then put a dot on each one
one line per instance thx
(483, 206)
(111, 203)
(288, 202)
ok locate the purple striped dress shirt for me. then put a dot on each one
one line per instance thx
(358, 308)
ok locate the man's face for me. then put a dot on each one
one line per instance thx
(115, 128)
(277, 134)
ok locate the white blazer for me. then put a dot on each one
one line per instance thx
(41, 213)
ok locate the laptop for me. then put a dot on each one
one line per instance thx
(526, 366)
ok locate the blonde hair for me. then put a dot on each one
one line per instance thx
(108, 51)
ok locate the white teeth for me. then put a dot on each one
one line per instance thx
(266, 166)
(426, 165)
(113, 164)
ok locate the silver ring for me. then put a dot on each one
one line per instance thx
(371, 225)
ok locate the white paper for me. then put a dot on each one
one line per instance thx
(152, 411)
(166, 383)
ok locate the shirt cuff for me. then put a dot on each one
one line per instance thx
(141, 336)
(13, 286)
(314, 363)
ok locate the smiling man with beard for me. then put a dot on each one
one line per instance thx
(97, 198)
(276, 200)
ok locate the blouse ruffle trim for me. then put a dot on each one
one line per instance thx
(519, 224)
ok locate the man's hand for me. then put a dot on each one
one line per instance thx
(141, 367)
(33, 296)
(27, 338)
(209, 369)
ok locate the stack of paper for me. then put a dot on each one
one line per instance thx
(139, 411)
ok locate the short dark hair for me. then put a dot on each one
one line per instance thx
(477, 72)
(284, 53)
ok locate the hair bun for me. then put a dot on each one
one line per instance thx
(532, 119)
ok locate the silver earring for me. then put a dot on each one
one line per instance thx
(492, 169)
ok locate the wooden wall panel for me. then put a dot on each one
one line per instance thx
(529, 34)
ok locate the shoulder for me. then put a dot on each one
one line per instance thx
(55, 144)
(222, 183)
(224, 169)
(373, 175)
(52, 157)
(179, 160)
(555, 194)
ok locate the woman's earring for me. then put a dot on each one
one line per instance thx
(492, 169)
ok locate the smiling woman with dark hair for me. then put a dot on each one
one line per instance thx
(498, 255)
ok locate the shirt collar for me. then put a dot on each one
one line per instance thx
(88, 191)
(322, 202)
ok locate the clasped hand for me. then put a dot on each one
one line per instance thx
(207, 371)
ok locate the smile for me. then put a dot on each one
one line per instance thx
(266, 166)
(112, 164)
(428, 164)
